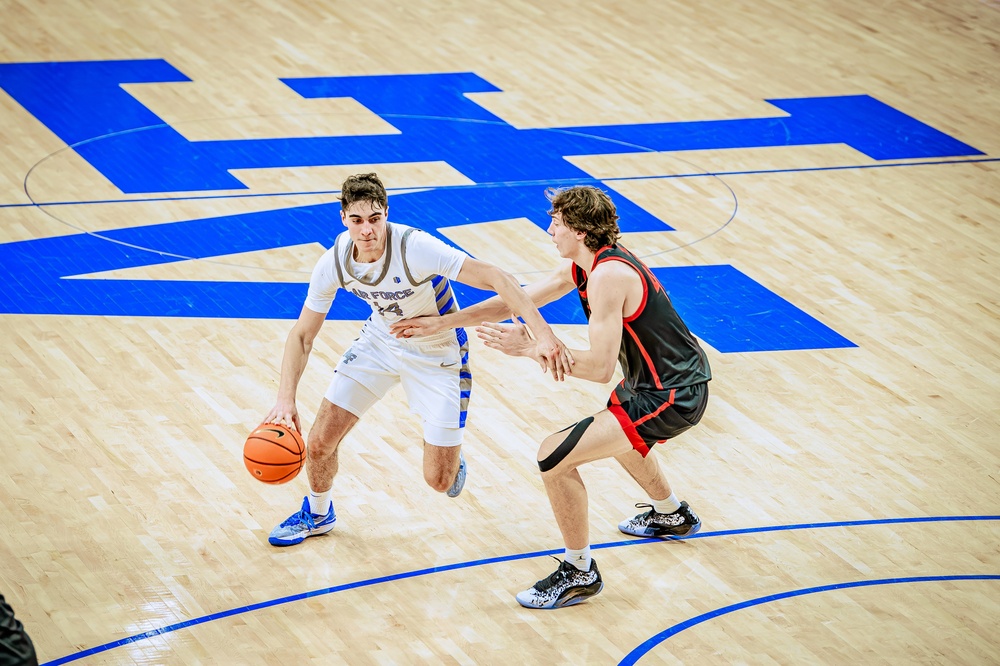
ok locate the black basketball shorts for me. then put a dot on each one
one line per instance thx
(653, 417)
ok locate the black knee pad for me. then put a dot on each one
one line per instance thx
(566, 446)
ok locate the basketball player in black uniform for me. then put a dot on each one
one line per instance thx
(16, 648)
(665, 390)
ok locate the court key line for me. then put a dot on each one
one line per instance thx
(522, 556)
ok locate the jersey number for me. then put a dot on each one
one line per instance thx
(394, 308)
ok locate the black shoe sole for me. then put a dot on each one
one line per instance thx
(667, 534)
(578, 594)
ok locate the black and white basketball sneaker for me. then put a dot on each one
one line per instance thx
(681, 523)
(566, 586)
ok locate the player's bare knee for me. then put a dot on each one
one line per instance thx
(319, 447)
(545, 451)
(555, 449)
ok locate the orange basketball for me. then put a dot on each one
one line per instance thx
(274, 453)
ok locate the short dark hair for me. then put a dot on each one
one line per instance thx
(588, 209)
(363, 187)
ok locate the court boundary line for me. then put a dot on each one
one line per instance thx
(177, 626)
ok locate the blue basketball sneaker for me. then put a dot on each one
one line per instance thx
(300, 525)
(456, 488)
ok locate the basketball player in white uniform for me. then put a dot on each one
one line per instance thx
(402, 273)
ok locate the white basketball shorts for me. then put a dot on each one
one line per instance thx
(435, 378)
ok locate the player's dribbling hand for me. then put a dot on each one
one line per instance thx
(416, 327)
(284, 413)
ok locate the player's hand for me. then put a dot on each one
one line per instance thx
(558, 358)
(285, 413)
(511, 339)
(416, 327)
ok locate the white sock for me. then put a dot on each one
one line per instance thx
(668, 505)
(319, 503)
(579, 558)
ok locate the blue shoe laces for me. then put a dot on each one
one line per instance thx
(302, 516)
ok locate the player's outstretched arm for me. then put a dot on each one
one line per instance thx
(519, 303)
(607, 288)
(548, 289)
(298, 344)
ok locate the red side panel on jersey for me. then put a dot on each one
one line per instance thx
(645, 356)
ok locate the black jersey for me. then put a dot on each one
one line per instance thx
(657, 351)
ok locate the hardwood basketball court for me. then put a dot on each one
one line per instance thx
(819, 193)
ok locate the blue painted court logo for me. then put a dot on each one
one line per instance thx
(84, 104)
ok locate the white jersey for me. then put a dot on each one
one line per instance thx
(411, 279)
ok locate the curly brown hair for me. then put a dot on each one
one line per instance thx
(363, 187)
(588, 209)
